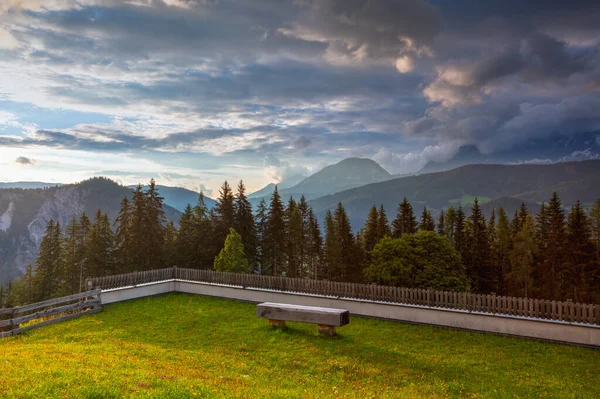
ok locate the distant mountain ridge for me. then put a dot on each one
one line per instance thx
(267, 190)
(529, 183)
(28, 184)
(545, 150)
(24, 215)
(346, 174)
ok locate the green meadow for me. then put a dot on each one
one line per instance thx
(186, 346)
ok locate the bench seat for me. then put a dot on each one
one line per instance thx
(326, 318)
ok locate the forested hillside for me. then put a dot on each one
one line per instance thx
(25, 214)
(436, 191)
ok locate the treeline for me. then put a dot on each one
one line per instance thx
(552, 255)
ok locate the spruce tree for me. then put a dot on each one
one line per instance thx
(139, 225)
(315, 246)
(497, 278)
(124, 244)
(224, 215)
(371, 230)
(478, 266)
(552, 258)
(232, 257)
(261, 230)
(155, 228)
(332, 250)
(460, 242)
(303, 244)
(349, 268)
(71, 258)
(595, 226)
(426, 223)
(171, 245)
(383, 226)
(100, 247)
(274, 240)
(579, 267)
(405, 222)
(522, 257)
(187, 243)
(441, 226)
(244, 224)
(503, 248)
(293, 236)
(203, 242)
(47, 280)
(450, 223)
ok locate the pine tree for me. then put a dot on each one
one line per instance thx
(405, 222)
(261, 232)
(460, 242)
(552, 258)
(124, 244)
(232, 257)
(349, 268)
(187, 240)
(371, 233)
(72, 258)
(303, 244)
(522, 257)
(100, 247)
(503, 248)
(595, 226)
(171, 247)
(293, 236)
(332, 248)
(203, 242)
(224, 212)
(315, 246)
(478, 266)
(274, 240)
(579, 264)
(496, 272)
(244, 224)
(441, 226)
(155, 229)
(427, 223)
(450, 223)
(383, 226)
(138, 230)
(47, 278)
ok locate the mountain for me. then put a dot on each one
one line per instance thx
(531, 183)
(267, 190)
(349, 173)
(28, 184)
(179, 198)
(551, 149)
(24, 215)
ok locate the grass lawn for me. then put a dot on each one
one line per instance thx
(182, 346)
(469, 200)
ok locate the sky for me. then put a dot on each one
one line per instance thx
(193, 92)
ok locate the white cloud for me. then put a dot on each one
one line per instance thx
(405, 64)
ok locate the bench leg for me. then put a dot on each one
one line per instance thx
(326, 330)
(277, 323)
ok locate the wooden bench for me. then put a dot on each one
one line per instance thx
(327, 318)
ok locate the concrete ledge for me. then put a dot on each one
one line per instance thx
(137, 291)
(556, 331)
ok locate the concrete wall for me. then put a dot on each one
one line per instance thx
(522, 327)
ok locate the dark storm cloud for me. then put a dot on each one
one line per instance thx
(316, 77)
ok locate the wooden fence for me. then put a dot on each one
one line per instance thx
(568, 311)
(48, 312)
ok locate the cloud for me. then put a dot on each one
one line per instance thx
(277, 170)
(24, 161)
(411, 162)
(204, 189)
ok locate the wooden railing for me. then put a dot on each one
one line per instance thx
(568, 311)
(13, 320)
